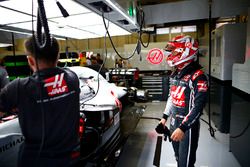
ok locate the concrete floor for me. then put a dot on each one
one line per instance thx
(139, 148)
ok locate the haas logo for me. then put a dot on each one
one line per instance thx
(178, 97)
(56, 85)
(202, 86)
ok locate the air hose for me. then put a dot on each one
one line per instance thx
(42, 41)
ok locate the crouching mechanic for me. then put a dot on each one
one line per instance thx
(47, 105)
(187, 98)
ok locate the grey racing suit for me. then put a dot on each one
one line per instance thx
(187, 98)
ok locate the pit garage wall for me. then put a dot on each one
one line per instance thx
(140, 61)
(241, 72)
(240, 107)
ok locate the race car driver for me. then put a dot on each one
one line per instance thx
(47, 105)
(187, 98)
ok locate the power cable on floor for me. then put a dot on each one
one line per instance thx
(210, 128)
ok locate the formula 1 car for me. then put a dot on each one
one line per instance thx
(10, 140)
(100, 108)
(101, 105)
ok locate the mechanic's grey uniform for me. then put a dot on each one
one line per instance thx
(48, 113)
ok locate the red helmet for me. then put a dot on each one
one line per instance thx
(182, 50)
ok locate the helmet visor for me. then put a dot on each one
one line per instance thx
(169, 48)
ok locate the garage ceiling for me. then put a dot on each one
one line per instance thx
(83, 22)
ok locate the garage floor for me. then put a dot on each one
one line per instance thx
(139, 149)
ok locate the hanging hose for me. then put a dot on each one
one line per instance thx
(98, 74)
(211, 129)
(112, 44)
(141, 20)
(42, 41)
(14, 51)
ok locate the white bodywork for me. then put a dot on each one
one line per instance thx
(97, 96)
(10, 141)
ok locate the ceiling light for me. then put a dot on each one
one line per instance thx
(3, 45)
(81, 24)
